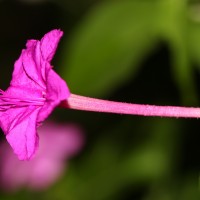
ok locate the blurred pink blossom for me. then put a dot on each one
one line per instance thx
(58, 144)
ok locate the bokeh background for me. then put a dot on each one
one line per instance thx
(141, 51)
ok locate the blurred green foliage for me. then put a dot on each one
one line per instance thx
(109, 41)
(144, 51)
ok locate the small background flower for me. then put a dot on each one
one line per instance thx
(59, 143)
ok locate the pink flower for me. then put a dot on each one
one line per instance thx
(58, 143)
(34, 91)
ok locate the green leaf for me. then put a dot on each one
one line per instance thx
(194, 34)
(173, 25)
(106, 48)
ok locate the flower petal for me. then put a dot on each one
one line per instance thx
(57, 91)
(19, 126)
(32, 67)
(49, 44)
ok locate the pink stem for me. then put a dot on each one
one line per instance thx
(91, 104)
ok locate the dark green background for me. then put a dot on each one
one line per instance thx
(141, 51)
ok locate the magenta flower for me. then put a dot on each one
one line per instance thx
(34, 91)
(58, 143)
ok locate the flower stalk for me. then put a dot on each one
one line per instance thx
(97, 105)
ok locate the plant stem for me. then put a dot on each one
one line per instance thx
(91, 104)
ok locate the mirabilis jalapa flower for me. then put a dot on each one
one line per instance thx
(35, 90)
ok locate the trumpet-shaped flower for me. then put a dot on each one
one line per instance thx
(34, 91)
